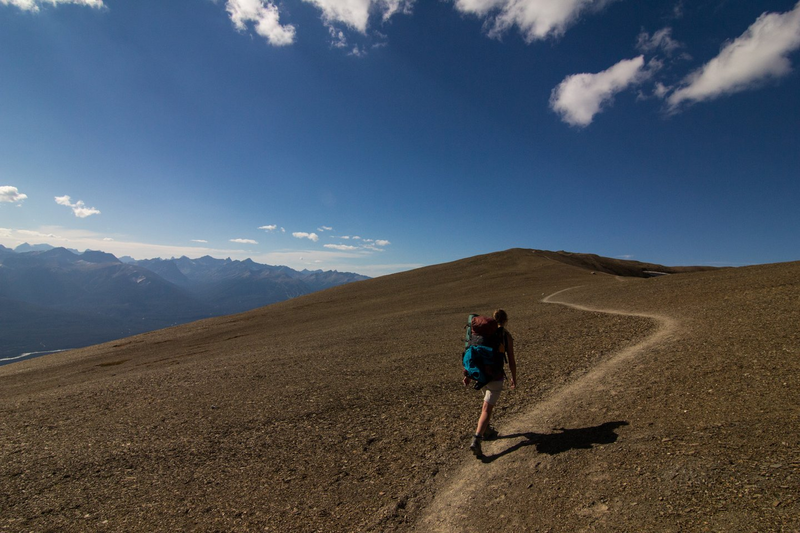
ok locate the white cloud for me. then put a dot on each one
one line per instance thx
(78, 208)
(271, 227)
(303, 235)
(581, 96)
(341, 260)
(244, 241)
(265, 17)
(758, 54)
(357, 52)
(660, 41)
(355, 13)
(536, 19)
(200, 241)
(11, 194)
(322, 229)
(338, 39)
(33, 5)
(366, 245)
(38, 234)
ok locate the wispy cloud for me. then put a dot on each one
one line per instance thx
(36, 234)
(582, 96)
(244, 241)
(303, 235)
(271, 227)
(331, 258)
(536, 19)
(11, 194)
(324, 228)
(759, 54)
(78, 208)
(34, 5)
(660, 41)
(265, 18)
(365, 245)
(200, 241)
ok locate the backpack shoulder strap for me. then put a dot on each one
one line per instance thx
(503, 342)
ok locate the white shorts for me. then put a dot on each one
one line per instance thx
(493, 390)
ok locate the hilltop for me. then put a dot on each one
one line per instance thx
(342, 410)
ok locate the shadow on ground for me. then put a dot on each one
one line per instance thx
(564, 440)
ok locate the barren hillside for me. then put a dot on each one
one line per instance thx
(343, 410)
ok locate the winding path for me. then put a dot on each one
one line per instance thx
(449, 510)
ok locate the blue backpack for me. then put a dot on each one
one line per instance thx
(484, 350)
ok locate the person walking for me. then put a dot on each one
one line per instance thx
(494, 388)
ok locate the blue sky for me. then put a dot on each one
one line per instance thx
(378, 136)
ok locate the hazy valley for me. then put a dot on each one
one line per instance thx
(54, 298)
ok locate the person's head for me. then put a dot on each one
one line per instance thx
(501, 316)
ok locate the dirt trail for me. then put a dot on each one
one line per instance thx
(450, 509)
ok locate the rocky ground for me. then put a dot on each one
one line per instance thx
(343, 410)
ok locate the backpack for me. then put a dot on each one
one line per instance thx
(484, 350)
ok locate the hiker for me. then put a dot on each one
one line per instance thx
(494, 388)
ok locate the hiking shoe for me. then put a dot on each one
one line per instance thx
(490, 433)
(475, 447)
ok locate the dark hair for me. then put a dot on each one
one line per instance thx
(500, 316)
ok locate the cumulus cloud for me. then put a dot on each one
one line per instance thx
(303, 235)
(11, 194)
(244, 241)
(355, 13)
(536, 19)
(324, 228)
(271, 227)
(34, 5)
(265, 18)
(760, 53)
(382, 242)
(78, 208)
(581, 96)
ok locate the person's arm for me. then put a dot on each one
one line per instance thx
(512, 362)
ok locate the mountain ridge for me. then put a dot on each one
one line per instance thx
(118, 299)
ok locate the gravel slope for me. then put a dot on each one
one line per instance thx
(343, 411)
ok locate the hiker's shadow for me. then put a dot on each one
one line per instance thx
(565, 439)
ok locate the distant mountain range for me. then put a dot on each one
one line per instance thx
(54, 298)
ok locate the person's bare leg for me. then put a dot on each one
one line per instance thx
(483, 421)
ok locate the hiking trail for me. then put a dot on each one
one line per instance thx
(449, 512)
